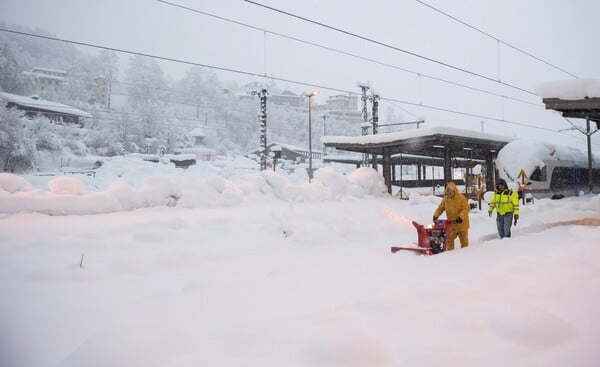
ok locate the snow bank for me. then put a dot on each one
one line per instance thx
(12, 183)
(67, 195)
(66, 185)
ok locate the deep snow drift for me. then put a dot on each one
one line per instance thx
(189, 268)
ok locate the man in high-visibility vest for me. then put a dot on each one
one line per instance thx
(506, 203)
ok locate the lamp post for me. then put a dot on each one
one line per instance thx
(310, 171)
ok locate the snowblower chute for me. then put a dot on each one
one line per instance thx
(433, 238)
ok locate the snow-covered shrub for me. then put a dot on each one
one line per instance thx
(45, 135)
(104, 143)
(77, 147)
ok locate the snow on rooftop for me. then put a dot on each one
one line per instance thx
(47, 70)
(43, 104)
(197, 132)
(570, 89)
(286, 146)
(44, 76)
(415, 133)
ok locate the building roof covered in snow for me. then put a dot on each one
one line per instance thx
(41, 105)
(442, 142)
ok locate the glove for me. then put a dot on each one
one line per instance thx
(458, 220)
(490, 213)
(435, 218)
(516, 218)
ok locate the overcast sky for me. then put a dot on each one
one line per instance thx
(562, 33)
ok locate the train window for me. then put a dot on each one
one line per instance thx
(539, 174)
(584, 176)
(562, 177)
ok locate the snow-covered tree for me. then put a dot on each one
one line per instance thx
(11, 80)
(17, 151)
(146, 97)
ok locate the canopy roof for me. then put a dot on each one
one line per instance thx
(428, 142)
(576, 98)
(437, 142)
(585, 108)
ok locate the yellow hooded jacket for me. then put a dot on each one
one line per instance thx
(454, 207)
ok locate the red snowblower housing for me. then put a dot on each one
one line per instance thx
(433, 238)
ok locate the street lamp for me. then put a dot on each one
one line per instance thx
(310, 171)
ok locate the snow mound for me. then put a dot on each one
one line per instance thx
(13, 183)
(66, 185)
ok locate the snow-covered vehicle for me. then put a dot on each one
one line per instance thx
(545, 170)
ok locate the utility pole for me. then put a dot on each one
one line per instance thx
(324, 129)
(365, 114)
(589, 148)
(262, 117)
(375, 120)
(364, 98)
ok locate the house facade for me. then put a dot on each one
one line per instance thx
(342, 102)
(48, 79)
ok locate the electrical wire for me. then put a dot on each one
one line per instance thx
(323, 87)
(345, 53)
(386, 45)
(403, 109)
(467, 114)
(496, 38)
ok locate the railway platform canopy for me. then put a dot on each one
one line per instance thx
(578, 98)
(575, 98)
(434, 143)
(584, 108)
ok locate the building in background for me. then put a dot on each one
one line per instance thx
(287, 152)
(34, 106)
(342, 102)
(47, 80)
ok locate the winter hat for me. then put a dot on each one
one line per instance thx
(501, 182)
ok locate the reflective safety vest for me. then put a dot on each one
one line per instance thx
(504, 202)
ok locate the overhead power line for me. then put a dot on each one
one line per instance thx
(386, 45)
(346, 53)
(466, 114)
(132, 52)
(323, 87)
(495, 38)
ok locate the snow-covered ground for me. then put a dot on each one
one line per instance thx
(148, 265)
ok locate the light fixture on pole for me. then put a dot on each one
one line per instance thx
(310, 171)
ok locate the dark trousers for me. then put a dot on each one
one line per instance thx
(504, 222)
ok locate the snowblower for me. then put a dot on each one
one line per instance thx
(433, 238)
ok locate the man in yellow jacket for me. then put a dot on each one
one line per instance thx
(506, 203)
(457, 211)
